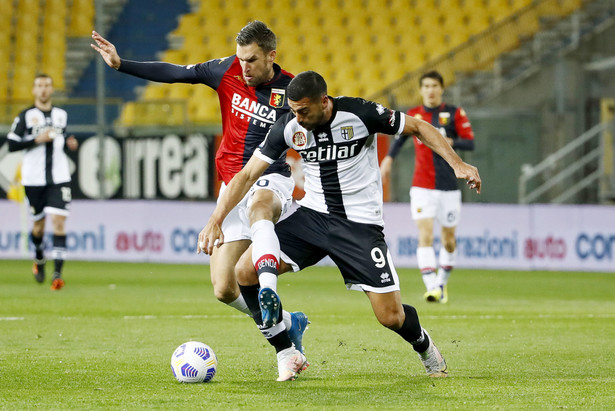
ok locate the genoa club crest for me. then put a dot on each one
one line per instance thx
(444, 118)
(277, 97)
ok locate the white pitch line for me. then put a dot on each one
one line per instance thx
(11, 318)
(184, 317)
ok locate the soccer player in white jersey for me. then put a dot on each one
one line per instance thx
(341, 213)
(39, 131)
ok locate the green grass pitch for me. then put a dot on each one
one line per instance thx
(530, 340)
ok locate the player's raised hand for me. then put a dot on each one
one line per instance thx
(211, 236)
(107, 50)
(469, 173)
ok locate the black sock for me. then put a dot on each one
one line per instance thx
(57, 266)
(39, 247)
(250, 295)
(411, 330)
(59, 252)
(280, 341)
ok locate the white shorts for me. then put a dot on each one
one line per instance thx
(444, 206)
(236, 225)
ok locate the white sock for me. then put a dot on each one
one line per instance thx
(273, 331)
(447, 263)
(426, 259)
(287, 320)
(240, 305)
(265, 253)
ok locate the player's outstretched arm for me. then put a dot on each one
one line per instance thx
(107, 50)
(237, 188)
(436, 142)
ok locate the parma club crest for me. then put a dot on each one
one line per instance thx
(347, 133)
(277, 97)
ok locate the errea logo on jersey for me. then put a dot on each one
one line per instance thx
(251, 110)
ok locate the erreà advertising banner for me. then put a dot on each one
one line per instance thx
(170, 167)
(551, 237)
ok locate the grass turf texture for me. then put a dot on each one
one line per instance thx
(512, 340)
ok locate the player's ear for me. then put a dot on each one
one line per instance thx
(272, 55)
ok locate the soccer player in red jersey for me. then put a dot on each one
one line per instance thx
(434, 193)
(252, 93)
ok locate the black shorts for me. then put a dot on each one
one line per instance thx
(358, 250)
(51, 199)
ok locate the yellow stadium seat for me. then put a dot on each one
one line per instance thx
(154, 91)
(54, 21)
(26, 56)
(22, 88)
(82, 18)
(180, 91)
(175, 57)
(127, 117)
(55, 6)
(80, 25)
(499, 9)
(479, 20)
(188, 23)
(206, 112)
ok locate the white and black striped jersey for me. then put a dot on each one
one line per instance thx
(43, 164)
(340, 158)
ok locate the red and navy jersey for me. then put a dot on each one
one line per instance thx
(430, 170)
(247, 112)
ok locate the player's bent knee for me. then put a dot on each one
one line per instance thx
(245, 274)
(225, 294)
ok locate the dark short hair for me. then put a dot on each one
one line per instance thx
(307, 84)
(257, 32)
(43, 75)
(433, 75)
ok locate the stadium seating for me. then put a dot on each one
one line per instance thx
(33, 40)
(360, 46)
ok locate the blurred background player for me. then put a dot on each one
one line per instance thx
(341, 213)
(252, 93)
(39, 130)
(434, 193)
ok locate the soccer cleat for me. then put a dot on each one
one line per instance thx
(270, 307)
(57, 282)
(444, 295)
(290, 363)
(434, 363)
(433, 296)
(299, 323)
(38, 269)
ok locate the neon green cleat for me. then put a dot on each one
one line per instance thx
(433, 296)
(444, 296)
